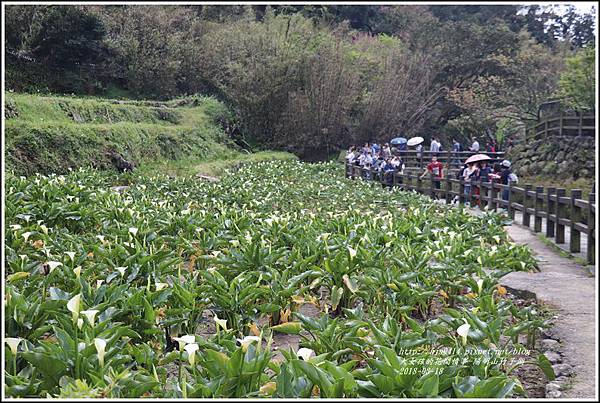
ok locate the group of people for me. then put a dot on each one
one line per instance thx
(376, 159)
(381, 161)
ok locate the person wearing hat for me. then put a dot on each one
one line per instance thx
(504, 177)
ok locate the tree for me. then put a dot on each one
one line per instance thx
(529, 78)
(577, 86)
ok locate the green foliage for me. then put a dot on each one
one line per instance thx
(101, 283)
(54, 134)
(577, 85)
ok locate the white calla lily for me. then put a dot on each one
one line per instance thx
(100, 349)
(305, 353)
(246, 341)
(74, 305)
(26, 235)
(183, 340)
(160, 286)
(463, 331)
(79, 323)
(191, 350)
(352, 252)
(222, 323)
(53, 265)
(99, 283)
(90, 314)
(77, 271)
(13, 343)
(479, 285)
(121, 270)
(133, 230)
(71, 255)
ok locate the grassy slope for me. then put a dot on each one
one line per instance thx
(52, 134)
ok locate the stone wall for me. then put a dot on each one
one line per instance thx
(568, 158)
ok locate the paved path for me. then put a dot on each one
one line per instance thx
(564, 246)
(569, 288)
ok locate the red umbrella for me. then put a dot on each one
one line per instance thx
(477, 158)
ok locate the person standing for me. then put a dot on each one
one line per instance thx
(435, 146)
(483, 175)
(504, 178)
(419, 150)
(456, 148)
(474, 146)
(435, 168)
(468, 175)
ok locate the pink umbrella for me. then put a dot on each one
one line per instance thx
(477, 158)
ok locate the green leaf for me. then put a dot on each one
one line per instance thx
(336, 296)
(50, 368)
(288, 328)
(350, 283)
(545, 366)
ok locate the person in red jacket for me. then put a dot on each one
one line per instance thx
(435, 168)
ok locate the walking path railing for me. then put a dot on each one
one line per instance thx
(415, 159)
(563, 125)
(552, 205)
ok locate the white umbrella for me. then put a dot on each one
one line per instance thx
(476, 158)
(414, 141)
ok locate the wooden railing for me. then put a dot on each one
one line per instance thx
(415, 159)
(563, 125)
(535, 203)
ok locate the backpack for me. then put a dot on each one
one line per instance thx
(513, 178)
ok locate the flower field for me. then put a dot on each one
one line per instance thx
(181, 288)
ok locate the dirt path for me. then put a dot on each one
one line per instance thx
(570, 289)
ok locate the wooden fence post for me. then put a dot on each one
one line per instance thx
(419, 184)
(550, 212)
(591, 226)
(537, 206)
(526, 215)
(494, 196)
(560, 129)
(511, 210)
(560, 213)
(575, 217)
(448, 189)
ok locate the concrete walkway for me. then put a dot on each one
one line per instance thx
(570, 289)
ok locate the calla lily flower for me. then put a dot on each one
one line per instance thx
(222, 323)
(53, 265)
(77, 271)
(246, 341)
(191, 350)
(479, 286)
(74, 305)
(121, 270)
(71, 255)
(90, 314)
(183, 340)
(79, 323)
(101, 349)
(99, 283)
(352, 252)
(463, 331)
(305, 353)
(13, 343)
(26, 235)
(133, 230)
(160, 286)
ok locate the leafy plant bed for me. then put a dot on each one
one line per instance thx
(111, 294)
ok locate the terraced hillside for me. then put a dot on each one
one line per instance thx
(52, 134)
